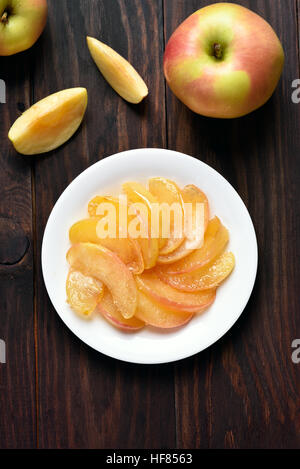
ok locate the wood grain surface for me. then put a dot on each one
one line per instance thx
(17, 376)
(55, 392)
(246, 388)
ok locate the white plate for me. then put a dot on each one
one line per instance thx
(150, 345)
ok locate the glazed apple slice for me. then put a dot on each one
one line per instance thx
(207, 277)
(111, 313)
(171, 298)
(155, 315)
(148, 247)
(192, 194)
(118, 72)
(138, 194)
(128, 250)
(83, 293)
(193, 236)
(104, 265)
(215, 241)
(167, 192)
(96, 201)
(50, 122)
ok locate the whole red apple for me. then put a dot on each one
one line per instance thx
(21, 24)
(223, 61)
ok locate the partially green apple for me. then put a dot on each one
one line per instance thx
(21, 24)
(223, 61)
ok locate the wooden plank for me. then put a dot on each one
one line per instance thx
(17, 375)
(87, 400)
(244, 391)
(298, 16)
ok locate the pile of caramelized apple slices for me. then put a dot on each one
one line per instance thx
(156, 281)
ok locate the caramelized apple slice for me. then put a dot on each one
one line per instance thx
(96, 201)
(138, 194)
(83, 293)
(167, 192)
(104, 265)
(215, 241)
(109, 310)
(50, 122)
(192, 194)
(118, 72)
(207, 277)
(148, 246)
(157, 316)
(171, 298)
(194, 237)
(128, 250)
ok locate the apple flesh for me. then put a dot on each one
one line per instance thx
(223, 61)
(83, 293)
(21, 24)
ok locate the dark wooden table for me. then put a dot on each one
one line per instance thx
(55, 392)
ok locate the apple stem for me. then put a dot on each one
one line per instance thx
(217, 50)
(4, 17)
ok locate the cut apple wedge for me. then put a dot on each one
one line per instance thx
(118, 72)
(50, 122)
(128, 250)
(111, 313)
(208, 277)
(215, 241)
(171, 298)
(167, 192)
(83, 293)
(156, 315)
(104, 265)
